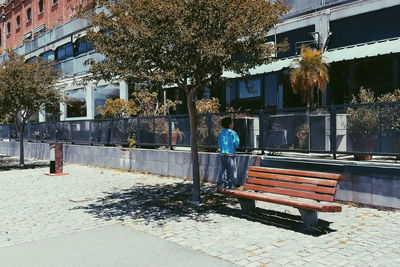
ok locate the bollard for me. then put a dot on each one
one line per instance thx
(56, 160)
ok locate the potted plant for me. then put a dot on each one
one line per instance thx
(302, 133)
(363, 123)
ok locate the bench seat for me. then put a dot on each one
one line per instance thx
(310, 192)
(295, 202)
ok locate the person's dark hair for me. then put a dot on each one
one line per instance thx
(225, 122)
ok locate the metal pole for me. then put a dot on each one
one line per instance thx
(380, 128)
(333, 131)
(170, 133)
(261, 116)
(209, 126)
(137, 131)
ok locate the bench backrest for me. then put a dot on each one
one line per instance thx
(305, 184)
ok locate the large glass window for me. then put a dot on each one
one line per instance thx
(64, 51)
(82, 46)
(104, 92)
(49, 55)
(250, 88)
(76, 103)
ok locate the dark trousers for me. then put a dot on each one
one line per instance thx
(228, 176)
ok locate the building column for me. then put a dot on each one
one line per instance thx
(63, 110)
(42, 115)
(123, 90)
(90, 109)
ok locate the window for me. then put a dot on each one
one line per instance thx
(52, 113)
(76, 103)
(251, 88)
(18, 22)
(8, 27)
(28, 15)
(82, 46)
(104, 92)
(64, 51)
(48, 56)
(41, 6)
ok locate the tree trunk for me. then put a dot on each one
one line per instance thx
(193, 145)
(20, 130)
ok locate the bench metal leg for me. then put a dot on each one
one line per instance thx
(310, 218)
(247, 204)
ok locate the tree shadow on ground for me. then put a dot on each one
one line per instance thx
(163, 203)
(8, 163)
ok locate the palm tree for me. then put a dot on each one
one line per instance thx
(311, 74)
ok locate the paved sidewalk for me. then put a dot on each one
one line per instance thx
(34, 206)
(112, 245)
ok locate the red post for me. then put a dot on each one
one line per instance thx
(56, 160)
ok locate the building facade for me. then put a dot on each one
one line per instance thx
(361, 40)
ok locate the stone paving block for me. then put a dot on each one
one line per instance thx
(217, 233)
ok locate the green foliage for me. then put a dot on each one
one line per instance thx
(27, 87)
(207, 105)
(310, 75)
(144, 103)
(186, 42)
(391, 114)
(364, 120)
(117, 108)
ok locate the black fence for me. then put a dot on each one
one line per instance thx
(366, 129)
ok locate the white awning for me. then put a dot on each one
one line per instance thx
(390, 46)
(372, 49)
(266, 68)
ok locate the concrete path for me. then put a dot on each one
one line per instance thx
(113, 245)
(35, 207)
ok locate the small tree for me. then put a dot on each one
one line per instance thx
(117, 108)
(25, 88)
(311, 74)
(187, 43)
(143, 103)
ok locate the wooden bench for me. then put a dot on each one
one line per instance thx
(307, 191)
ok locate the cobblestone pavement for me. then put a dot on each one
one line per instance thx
(35, 206)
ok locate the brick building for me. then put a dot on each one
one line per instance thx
(23, 21)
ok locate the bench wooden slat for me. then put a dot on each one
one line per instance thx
(284, 200)
(297, 172)
(293, 178)
(304, 187)
(289, 192)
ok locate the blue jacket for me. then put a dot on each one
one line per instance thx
(228, 141)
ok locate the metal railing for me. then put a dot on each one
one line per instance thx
(368, 129)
